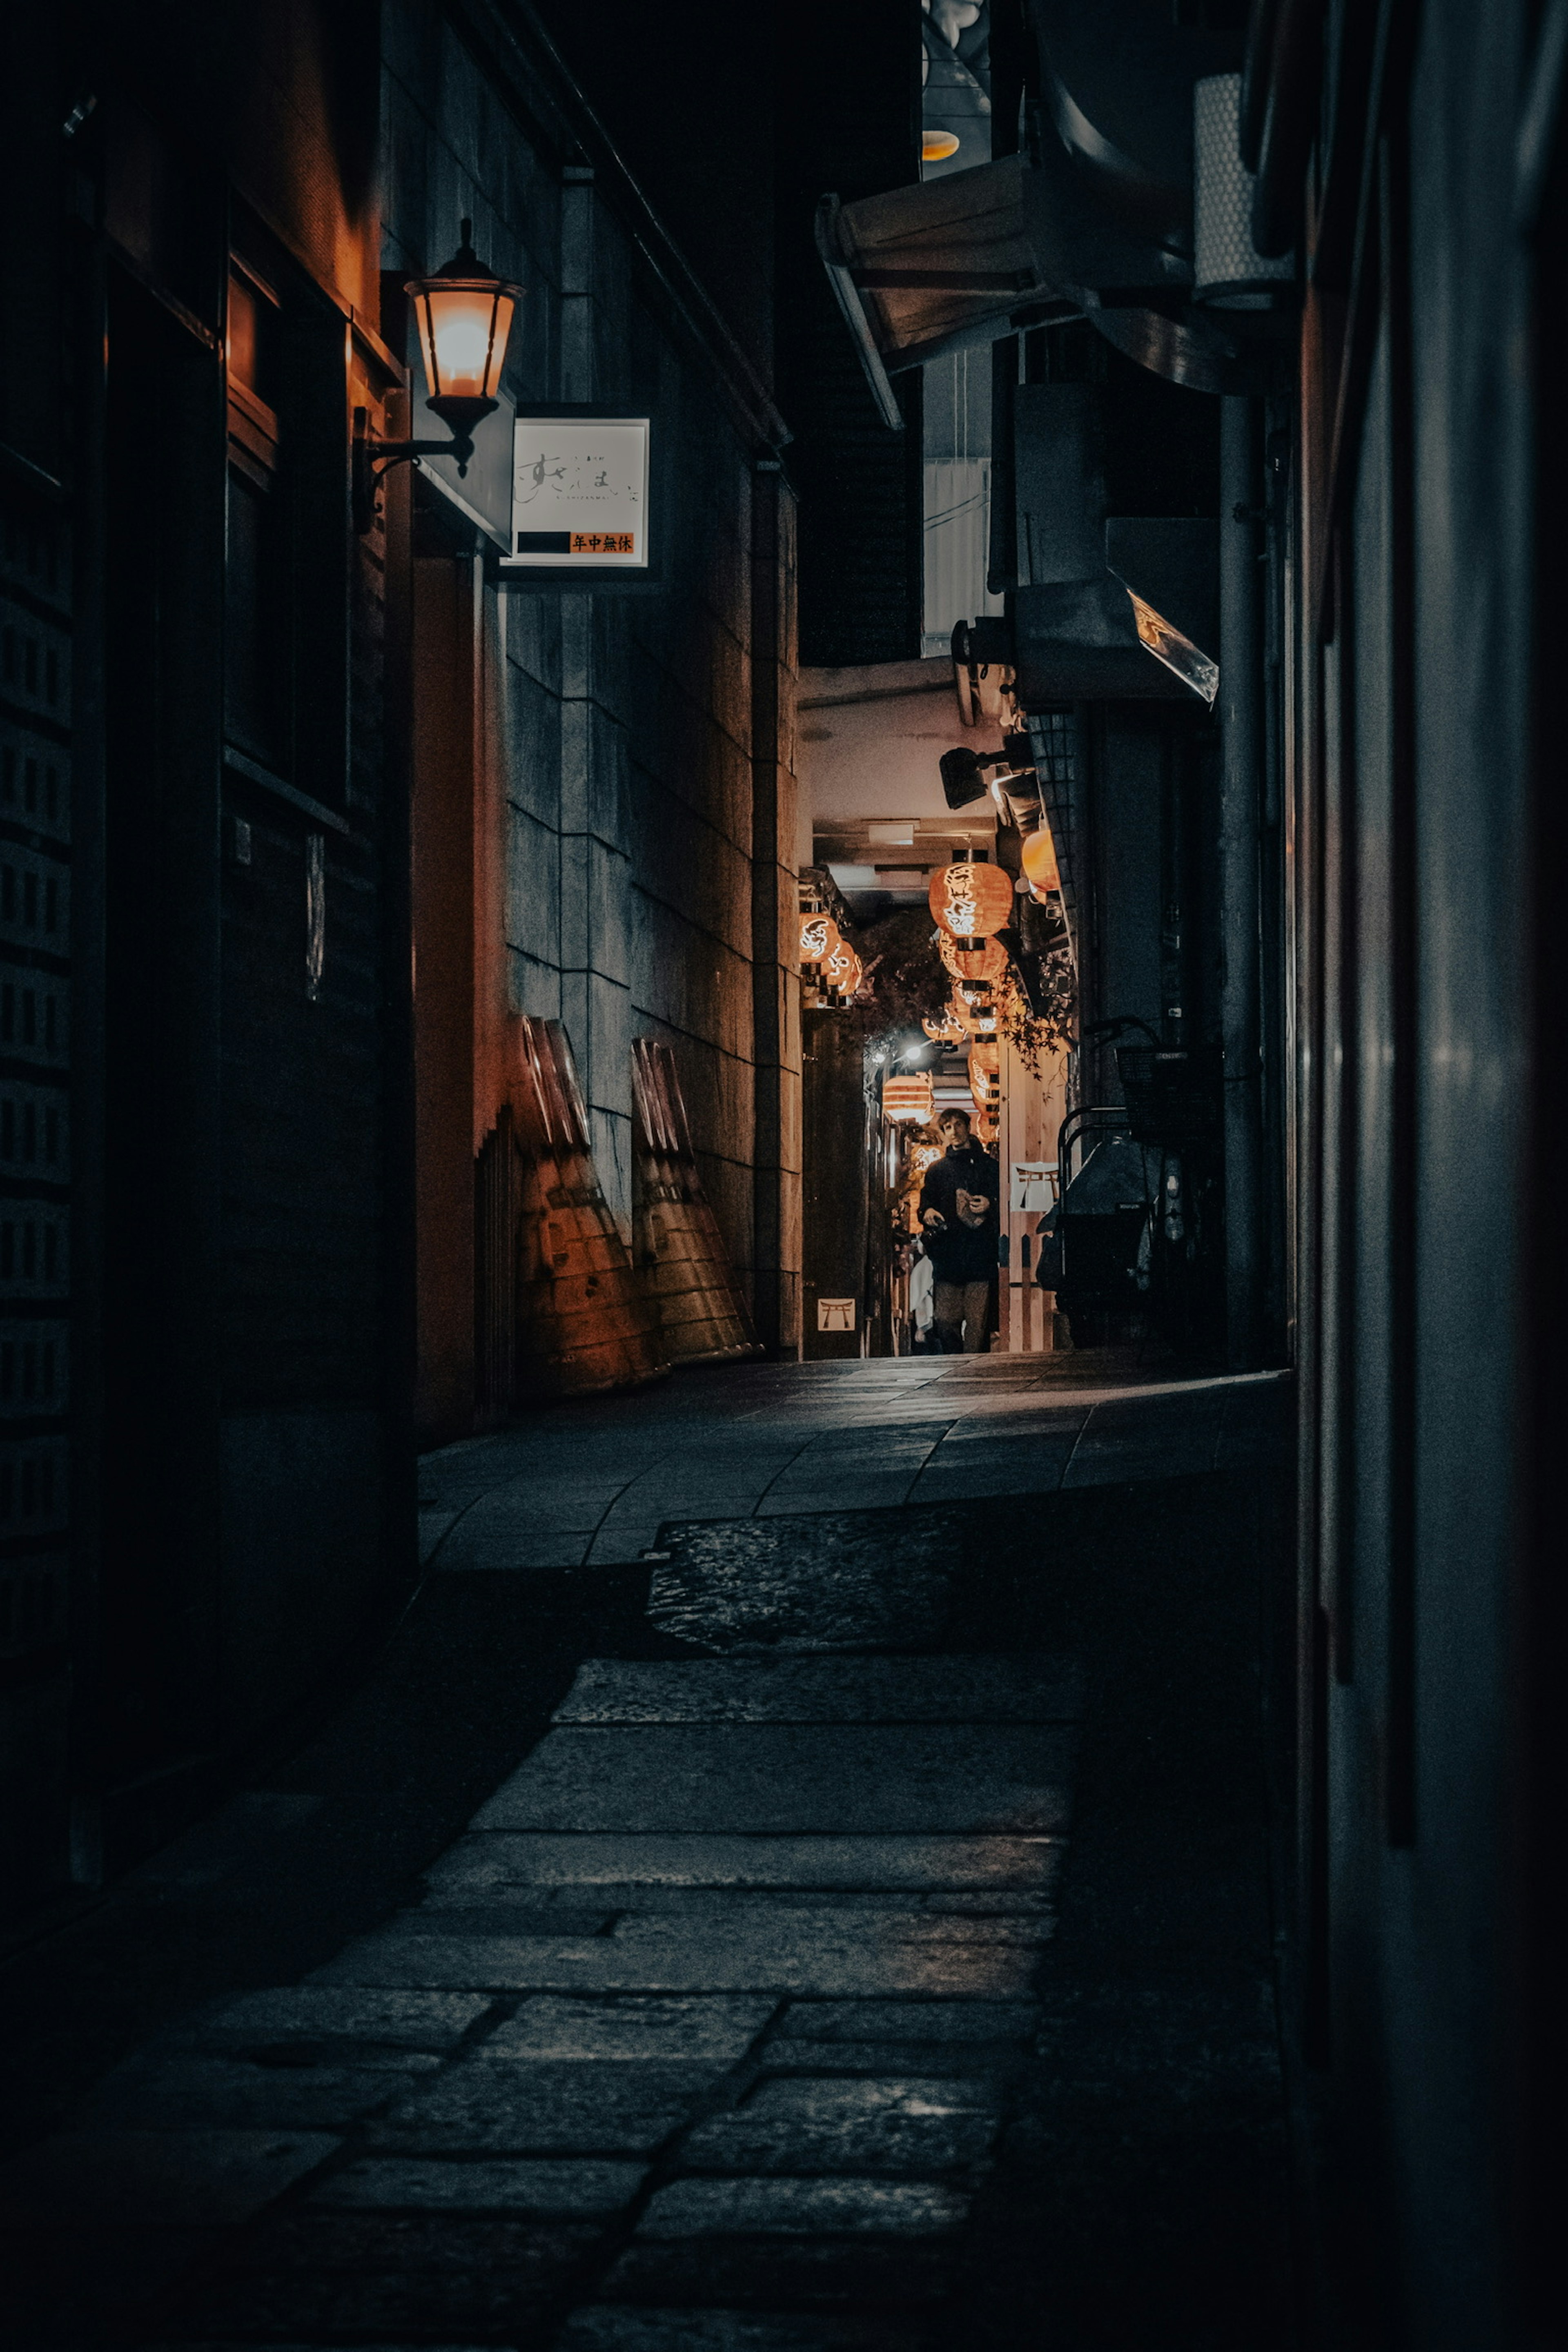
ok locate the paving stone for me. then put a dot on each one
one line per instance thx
(909, 2125)
(622, 2327)
(515, 1553)
(538, 2186)
(504, 1963)
(364, 2275)
(979, 2061)
(434, 1523)
(523, 1911)
(951, 1689)
(716, 2032)
(950, 1482)
(1001, 1426)
(911, 2020)
(170, 2092)
(826, 2272)
(155, 2177)
(812, 1494)
(1005, 1777)
(498, 1914)
(751, 1585)
(500, 1858)
(536, 2109)
(704, 2208)
(281, 2017)
(850, 1953)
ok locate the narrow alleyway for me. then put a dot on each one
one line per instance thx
(860, 1936)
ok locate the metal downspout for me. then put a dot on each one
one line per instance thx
(1239, 895)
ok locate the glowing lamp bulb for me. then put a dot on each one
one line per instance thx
(465, 315)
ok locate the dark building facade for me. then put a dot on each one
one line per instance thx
(1342, 883)
(300, 818)
(226, 1487)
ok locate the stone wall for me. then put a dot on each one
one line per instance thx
(618, 735)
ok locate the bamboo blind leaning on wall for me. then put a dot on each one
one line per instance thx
(584, 1321)
(681, 1252)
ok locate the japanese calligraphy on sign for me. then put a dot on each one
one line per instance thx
(579, 492)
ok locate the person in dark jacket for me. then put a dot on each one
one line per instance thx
(958, 1218)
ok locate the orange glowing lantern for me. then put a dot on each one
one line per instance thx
(945, 1031)
(970, 901)
(818, 938)
(984, 1072)
(1040, 869)
(986, 962)
(843, 971)
(909, 1097)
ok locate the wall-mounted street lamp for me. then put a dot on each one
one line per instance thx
(464, 313)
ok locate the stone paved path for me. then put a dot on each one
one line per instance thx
(594, 1481)
(711, 2030)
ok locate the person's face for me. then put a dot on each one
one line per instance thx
(955, 1130)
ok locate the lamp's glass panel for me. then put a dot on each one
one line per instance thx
(1178, 653)
(465, 340)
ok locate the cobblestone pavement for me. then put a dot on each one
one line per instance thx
(733, 2021)
(594, 1481)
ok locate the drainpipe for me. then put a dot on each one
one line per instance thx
(1239, 899)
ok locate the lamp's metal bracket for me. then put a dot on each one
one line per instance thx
(372, 457)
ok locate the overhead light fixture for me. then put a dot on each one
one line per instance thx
(464, 313)
(936, 146)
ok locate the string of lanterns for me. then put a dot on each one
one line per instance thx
(831, 968)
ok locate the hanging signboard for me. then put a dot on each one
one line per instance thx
(835, 1315)
(580, 493)
(1034, 1184)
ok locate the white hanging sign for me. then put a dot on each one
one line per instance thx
(579, 494)
(1034, 1184)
